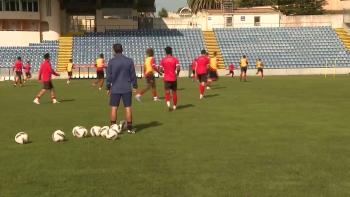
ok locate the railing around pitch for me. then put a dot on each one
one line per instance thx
(79, 72)
(256, 25)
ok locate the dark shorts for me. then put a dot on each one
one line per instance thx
(150, 78)
(213, 75)
(28, 75)
(231, 71)
(244, 69)
(170, 85)
(70, 74)
(202, 77)
(114, 99)
(47, 85)
(260, 70)
(193, 71)
(19, 74)
(100, 74)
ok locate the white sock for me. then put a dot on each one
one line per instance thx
(168, 103)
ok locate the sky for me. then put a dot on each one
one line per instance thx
(170, 5)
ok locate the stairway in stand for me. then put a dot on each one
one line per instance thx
(212, 46)
(344, 36)
(65, 48)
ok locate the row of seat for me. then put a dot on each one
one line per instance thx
(283, 47)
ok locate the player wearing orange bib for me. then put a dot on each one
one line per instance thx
(213, 66)
(100, 65)
(259, 65)
(244, 64)
(69, 68)
(148, 69)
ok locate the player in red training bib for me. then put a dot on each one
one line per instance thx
(27, 71)
(44, 74)
(193, 66)
(201, 72)
(148, 68)
(18, 67)
(231, 67)
(171, 68)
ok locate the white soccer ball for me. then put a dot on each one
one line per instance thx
(111, 134)
(58, 136)
(81, 132)
(123, 124)
(95, 131)
(116, 127)
(104, 131)
(74, 129)
(21, 138)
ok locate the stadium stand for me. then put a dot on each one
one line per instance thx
(186, 44)
(283, 47)
(33, 53)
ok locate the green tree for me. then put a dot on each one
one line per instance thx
(198, 5)
(163, 13)
(300, 7)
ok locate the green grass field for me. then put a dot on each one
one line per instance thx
(274, 137)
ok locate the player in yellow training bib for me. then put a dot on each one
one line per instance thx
(148, 71)
(213, 66)
(244, 65)
(69, 68)
(100, 66)
(259, 65)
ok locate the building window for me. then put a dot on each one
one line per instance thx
(11, 5)
(1, 5)
(117, 13)
(229, 21)
(30, 6)
(48, 7)
(256, 20)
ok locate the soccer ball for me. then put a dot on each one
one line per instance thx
(58, 136)
(123, 125)
(95, 131)
(104, 131)
(74, 129)
(81, 132)
(21, 138)
(111, 134)
(116, 127)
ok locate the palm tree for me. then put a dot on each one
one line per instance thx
(198, 5)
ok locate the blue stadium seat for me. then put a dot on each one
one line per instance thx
(33, 53)
(283, 47)
(186, 44)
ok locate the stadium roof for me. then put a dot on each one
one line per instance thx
(80, 5)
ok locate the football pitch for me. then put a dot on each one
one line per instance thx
(281, 136)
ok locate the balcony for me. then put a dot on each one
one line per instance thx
(17, 15)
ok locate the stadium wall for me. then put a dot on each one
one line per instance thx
(18, 38)
(50, 25)
(334, 20)
(336, 4)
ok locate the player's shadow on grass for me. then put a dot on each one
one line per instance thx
(29, 142)
(181, 89)
(66, 100)
(141, 127)
(212, 95)
(179, 107)
(220, 87)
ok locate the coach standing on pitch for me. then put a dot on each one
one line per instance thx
(119, 78)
